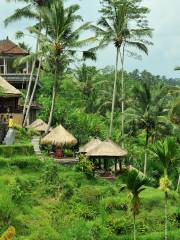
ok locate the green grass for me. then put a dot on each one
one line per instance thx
(49, 202)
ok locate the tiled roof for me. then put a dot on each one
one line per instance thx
(8, 47)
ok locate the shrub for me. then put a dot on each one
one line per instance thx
(16, 149)
(99, 232)
(86, 212)
(89, 195)
(85, 166)
(20, 188)
(119, 225)
(50, 173)
(112, 203)
(25, 162)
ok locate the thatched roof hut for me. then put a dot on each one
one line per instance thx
(90, 145)
(38, 125)
(107, 149)
(7, 90)
(59, 136)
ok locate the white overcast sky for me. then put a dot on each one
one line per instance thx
(164, 19)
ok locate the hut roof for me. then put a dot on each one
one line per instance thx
(107, 149)
(38, 125)
(8, 47)
(59, 136)
(90, 145)
(7, 90)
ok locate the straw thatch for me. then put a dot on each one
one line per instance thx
(90, 145)
(59, 136)
(38, 125)
(107, 149)
(7, 90)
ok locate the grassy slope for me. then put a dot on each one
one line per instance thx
(75, 208)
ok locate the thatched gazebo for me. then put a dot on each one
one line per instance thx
(38, 126)
(7, 90)
(107, 150)
(90, 145)
(59, 137)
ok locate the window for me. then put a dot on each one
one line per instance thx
(2, 66)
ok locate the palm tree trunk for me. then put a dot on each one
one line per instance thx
(30, 81)
(33, 93)
(114, 93)
(52, 102)
(165, 216)
(178, 184)
(122, 96)
(146, 151)
(31, 77)
(134, 225)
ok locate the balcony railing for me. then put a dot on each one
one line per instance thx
(17, 77)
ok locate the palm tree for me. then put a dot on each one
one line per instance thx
(61, 41)
(166, 152)
(113, 27)
(135, 183)
(148, 110)
(30, 11)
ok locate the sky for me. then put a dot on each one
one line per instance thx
(164, 18)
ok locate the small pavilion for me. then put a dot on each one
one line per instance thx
(107, 150)
(59, 137)
(90, 145)
(38, 126)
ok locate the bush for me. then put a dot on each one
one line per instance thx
(89, 195)
(85, 166)
(114, 203)
(16, 149)
(99, 232)
(25, 162)
(86, 212)
(119, 225)
(20, 189)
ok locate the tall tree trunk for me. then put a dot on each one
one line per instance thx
(122, 96)
(30, 81)
(165, 216)
(32, 94)
(31, 76)
(52, 102)
(178, 184)
(134, 226)
(114, 93)
(146, 151)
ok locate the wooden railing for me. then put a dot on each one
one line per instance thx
(17, 77)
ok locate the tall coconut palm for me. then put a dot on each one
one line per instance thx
(135, 183)
(29, 11)
(166, 153)
(61, 41)
(148, 110)
(114, 27)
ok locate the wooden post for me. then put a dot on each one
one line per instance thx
(99, 163)
(120, 165)
(5, 70)
(27, 67)
(115, 166)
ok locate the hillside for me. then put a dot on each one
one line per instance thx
(46, 201)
